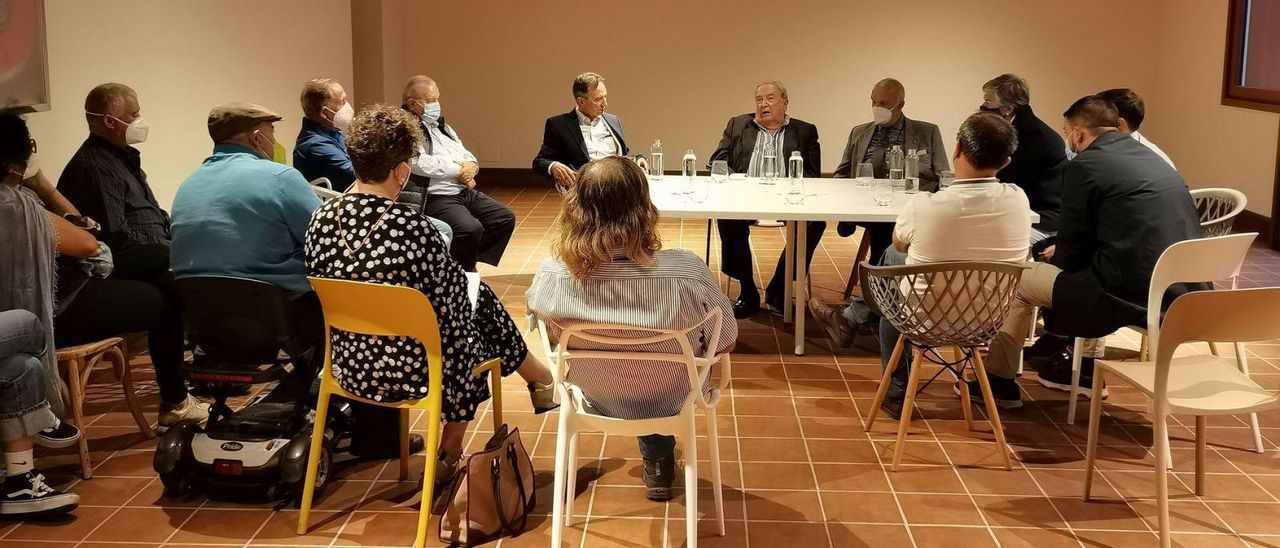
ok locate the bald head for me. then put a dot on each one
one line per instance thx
(888, 97)
(419, 91)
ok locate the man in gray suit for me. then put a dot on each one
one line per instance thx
(870, 142)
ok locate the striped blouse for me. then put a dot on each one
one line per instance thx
(676, 292)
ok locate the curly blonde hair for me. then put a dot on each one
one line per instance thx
(379, 139)
(607, 210)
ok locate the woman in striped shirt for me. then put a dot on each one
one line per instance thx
(608, 266)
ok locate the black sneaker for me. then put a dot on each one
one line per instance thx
(28, 495)
(1005, 391)
(63, 434)
(892, 408)
(1047, 346)
(1058, 377)
(659, 476)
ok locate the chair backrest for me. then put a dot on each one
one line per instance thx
(563, 353)
(1227, 316)
(1190, 261)
(946, 303)
(1218, 208)
(235, 320)
(324, 193)
(381, 310)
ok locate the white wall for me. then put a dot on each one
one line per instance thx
(183, 58)
(1212, 145)
(678, 70)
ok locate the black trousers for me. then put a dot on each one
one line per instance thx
(140, 295)
(376, 429)
(735, 254)
(881, 235)
(482, 226)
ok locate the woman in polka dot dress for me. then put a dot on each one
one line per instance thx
(366, 236)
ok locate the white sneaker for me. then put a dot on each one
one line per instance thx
(190, 410)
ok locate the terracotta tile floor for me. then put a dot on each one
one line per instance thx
(798, 469)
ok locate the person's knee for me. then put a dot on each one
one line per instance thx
(503, 220)
(467, 229)
(21, 331)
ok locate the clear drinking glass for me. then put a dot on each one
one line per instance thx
(719, 171)
(945, 178)
(865, 174)
(882, 192)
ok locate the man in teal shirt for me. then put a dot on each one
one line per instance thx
(241, 214)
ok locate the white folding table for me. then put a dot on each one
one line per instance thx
(831, 200)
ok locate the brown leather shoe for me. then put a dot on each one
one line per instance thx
(830, 318)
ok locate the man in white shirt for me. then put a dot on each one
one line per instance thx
(581, 135)
(442, 180)
(978, 218)
(1132, 111)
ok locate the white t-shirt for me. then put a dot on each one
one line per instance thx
(1142, 139)
(971, 220)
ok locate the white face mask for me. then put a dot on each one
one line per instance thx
(881, 114)
(343, 116)
(133, 133)
(33, 167)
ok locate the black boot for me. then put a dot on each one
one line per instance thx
(659, 476)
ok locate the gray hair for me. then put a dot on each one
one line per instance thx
(102, 98)
(585, 82)
(1010, 89)
(315, 93)
(782, 90)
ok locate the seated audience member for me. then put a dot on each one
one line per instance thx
(91, 301)
(1122, 207)
(585, 133)
(609, 267)
(742, 145)
(25, 418)
(321, 148)
(871, 141)
(979, 218)
(1132, 112)
(1037, 164)
(366, 236)
(443, 178)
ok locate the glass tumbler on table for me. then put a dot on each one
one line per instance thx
(719, 171)
(882, 192)
(865, 174)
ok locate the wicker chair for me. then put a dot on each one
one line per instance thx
(1218, 209)
(959, 305)
(77, 363)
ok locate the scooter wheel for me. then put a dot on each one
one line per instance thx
(175, 484)
(323, 470)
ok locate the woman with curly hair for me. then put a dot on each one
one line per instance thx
(608, 266)
(366, 236)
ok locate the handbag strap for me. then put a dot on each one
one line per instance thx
(496, 471)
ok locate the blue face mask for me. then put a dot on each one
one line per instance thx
(430, 113)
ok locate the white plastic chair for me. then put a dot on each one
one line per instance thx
(324, 189)
(1198, 385)
(1218, 209)
(1189, 261)
(576, 415)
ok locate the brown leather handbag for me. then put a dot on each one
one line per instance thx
(492, 493)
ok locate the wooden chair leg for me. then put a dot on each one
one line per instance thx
(965, 402)
(864, 247)
(885, 380)
(993, 413)
(76, 390)
(908, 405)
(1201, 435)
(120, 364)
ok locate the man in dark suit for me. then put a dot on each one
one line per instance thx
(1037, 164)
(741, 145)
(870, 142)
(1122, 207)
(583, 134)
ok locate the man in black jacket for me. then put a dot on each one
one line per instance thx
(583, 134)
(741, 145)
(1122, 207)
(1037, 164)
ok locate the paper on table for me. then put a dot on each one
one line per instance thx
(473, 288)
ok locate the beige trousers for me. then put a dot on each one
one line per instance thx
(1035, 290)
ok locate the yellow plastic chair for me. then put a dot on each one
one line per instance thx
(389, 311)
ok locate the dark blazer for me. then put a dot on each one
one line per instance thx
(562, 142)
(1122, 206)
(918, 135)
(1036, 166)
(739, 140)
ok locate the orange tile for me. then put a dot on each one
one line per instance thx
(220, 526)
(141, 525)
(948, 537)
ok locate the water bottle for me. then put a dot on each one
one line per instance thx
(795, 178)
(896, 159)
(912, 171)
(769, 164)
(655, 160)
(688, 166)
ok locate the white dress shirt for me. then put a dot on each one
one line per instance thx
(444, 162)
(598, 136)
(1147, 142)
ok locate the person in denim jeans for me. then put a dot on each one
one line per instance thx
(25, 419)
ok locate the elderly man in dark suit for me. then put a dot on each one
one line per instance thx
(583, 134)
(741, 146)
(1122, 206)
(1038, 162)
(871, 141)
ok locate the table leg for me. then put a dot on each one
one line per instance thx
(802, 288)
(789, 261)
